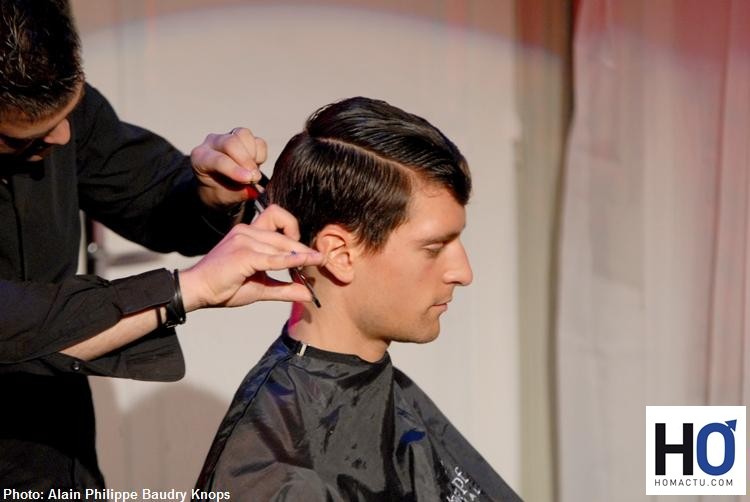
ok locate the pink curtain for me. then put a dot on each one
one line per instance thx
(653, 292)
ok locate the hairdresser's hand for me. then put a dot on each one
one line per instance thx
(233, 273)
(225, 163)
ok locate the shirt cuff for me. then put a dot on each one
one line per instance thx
(143, 291)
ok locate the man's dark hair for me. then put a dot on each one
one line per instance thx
(40, 61)
(357, 163)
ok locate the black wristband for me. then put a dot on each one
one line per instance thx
(175, 308)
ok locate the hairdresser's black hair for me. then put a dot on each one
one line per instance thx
(40, 60)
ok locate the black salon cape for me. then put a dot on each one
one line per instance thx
(311, 425)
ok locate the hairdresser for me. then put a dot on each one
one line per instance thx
(63, 150)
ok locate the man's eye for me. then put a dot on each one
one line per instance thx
(434, 249)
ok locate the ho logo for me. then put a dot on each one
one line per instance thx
(662, 449)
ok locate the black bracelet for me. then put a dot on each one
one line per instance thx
(175, 308)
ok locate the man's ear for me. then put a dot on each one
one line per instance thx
(340, 248)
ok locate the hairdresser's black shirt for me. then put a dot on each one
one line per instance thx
(312, 425)
(142, 188)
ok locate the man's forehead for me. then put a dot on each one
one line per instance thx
(17, 123)
(433, 215)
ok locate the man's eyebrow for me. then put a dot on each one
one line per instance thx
(440, 238)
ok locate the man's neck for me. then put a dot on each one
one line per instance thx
(328, 328)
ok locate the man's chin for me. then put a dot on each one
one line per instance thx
(430, 338)
(425, 337)
(40, 155)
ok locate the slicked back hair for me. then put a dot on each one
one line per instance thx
(357, 163)
(40, 61)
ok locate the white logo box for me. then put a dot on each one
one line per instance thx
(674, 482)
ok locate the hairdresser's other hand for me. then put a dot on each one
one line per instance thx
(225, 163)
(233, 273)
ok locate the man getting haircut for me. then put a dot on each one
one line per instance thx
(324, 415)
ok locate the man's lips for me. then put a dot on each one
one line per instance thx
(443, 304)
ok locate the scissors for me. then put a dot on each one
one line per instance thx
(257, 192)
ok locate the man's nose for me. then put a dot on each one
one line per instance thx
(60, 135)
(459, 272)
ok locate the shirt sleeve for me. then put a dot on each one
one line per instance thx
(139, 185)
(38, 320)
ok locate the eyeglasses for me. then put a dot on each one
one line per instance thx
(27, 147)
(260, 200)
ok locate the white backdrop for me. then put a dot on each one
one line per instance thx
(267, 67)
